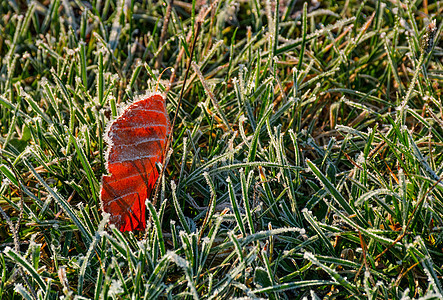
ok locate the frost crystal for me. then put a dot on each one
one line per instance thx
(360, 159)
(181, 262)
(115, 288)
(206, 240)
(18, 288)
(70, 52)
(428, 38)
(6, 181)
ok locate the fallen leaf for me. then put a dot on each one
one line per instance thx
(136, 142)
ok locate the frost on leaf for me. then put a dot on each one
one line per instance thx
(136, 142)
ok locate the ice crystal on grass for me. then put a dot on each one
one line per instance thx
(19, 288)
(181, 262)
(427, 41)
(360, 159)
(115, 288)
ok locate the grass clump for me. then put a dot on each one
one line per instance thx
(306, 157)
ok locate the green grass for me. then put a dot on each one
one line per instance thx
(307, 154)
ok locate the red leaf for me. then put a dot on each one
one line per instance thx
(136, 142)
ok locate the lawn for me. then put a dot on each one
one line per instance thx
(306, 153)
